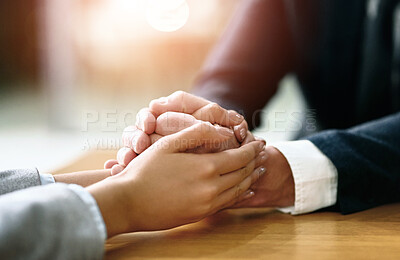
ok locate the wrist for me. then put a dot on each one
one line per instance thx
(281, 182)
(113, 202)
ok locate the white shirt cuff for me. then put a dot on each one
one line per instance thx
(46, 178)
(315, 176)
(87, 198)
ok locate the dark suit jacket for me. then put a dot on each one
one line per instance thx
(346, 56)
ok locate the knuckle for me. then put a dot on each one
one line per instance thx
(209, 169)
(205, 124)
(178, 93)
(217, 111)
(209, 194)
(214, 107)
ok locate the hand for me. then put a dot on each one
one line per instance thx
(166, 187)
(140, 137)
(200, 108)
(173, 122)
(166, 124)
(276, 187)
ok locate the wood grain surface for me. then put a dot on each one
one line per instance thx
(262, 233)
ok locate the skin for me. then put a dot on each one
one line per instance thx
(185, 192)
(139, 137)
(274, 189)
(83, 178)
(167, 123)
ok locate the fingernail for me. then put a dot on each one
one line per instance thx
(263, 157)
(262, 146)
(262, 171)
(242, 133)
(248, 194)
(235, 117)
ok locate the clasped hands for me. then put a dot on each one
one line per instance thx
(196, 158)
(169, 115)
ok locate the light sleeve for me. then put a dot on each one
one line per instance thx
(46, 178)
(56, 221)
(315, 176)
(18, 179)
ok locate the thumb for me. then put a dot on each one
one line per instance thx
(195, 136)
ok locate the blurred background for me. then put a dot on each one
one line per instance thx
(73, 73)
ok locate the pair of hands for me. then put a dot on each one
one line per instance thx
(174, 182)
(172, 114)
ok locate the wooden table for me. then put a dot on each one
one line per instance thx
(263, 234)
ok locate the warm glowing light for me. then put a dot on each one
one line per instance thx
(167, 15)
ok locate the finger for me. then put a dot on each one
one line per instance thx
(261, 159)
(231, 143)
(258, 138)
(116, 169)
(215, 114)
(256, 175)
(146, 121)
(136, 139)
(241, 131)
(232, 179)
(179, 101)
(245, 196)
(110, 163)
(232, 195)
(195, 136)
(125, 155)
(173, 122)
(249, 138)
(234, 159)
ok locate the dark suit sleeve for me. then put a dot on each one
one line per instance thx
(367, 158)
(253, 54)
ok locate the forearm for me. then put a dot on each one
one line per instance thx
(113, 205)
(83, 178)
